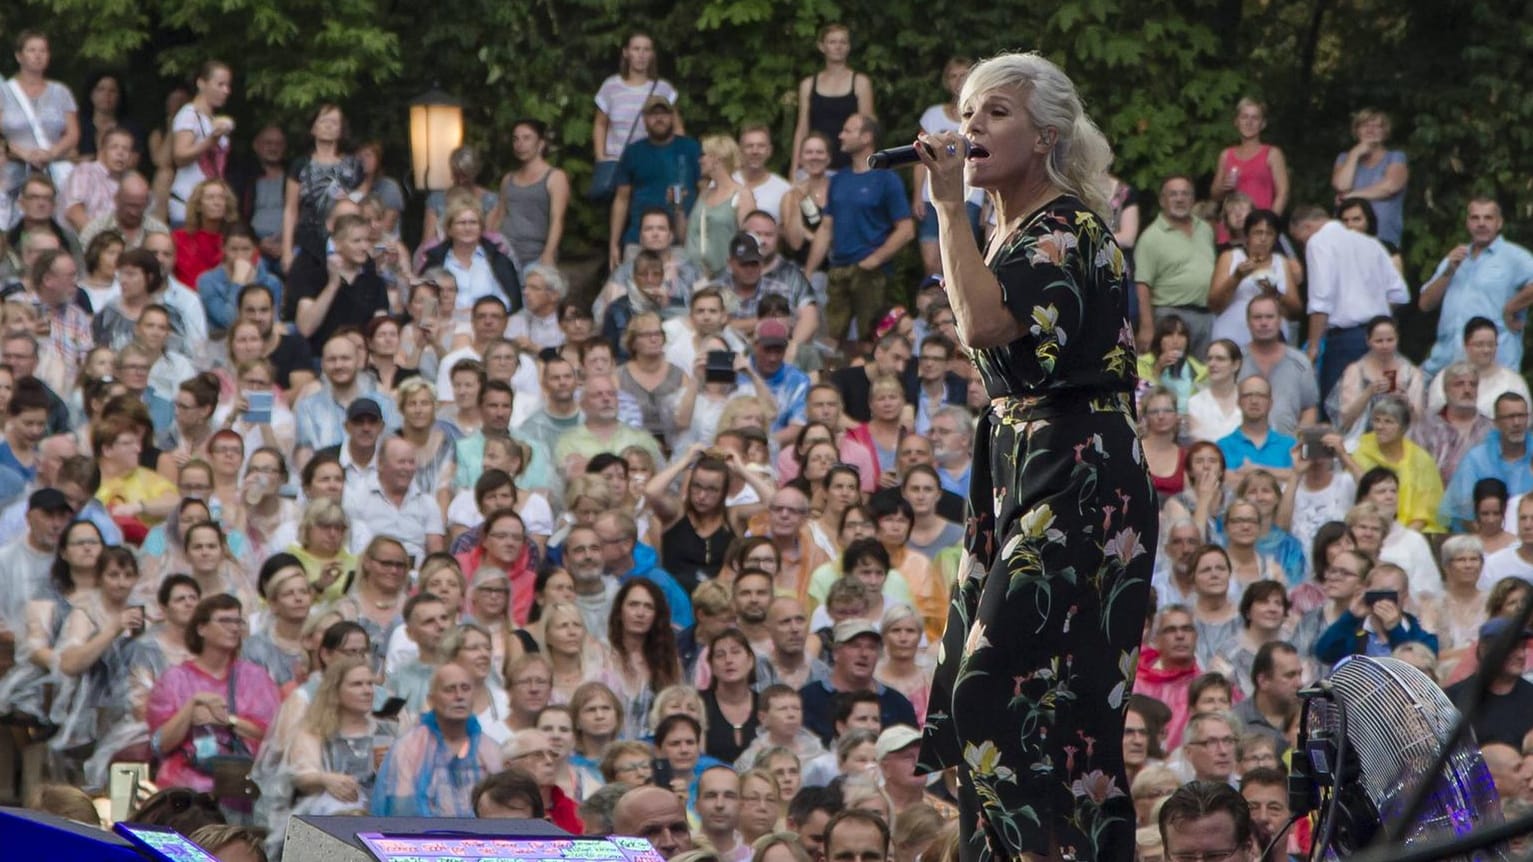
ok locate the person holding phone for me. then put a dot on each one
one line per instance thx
(1376, 622)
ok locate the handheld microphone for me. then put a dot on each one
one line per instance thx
(897, 157)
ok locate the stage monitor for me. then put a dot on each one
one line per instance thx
(162, 843)
(445, 846)
(39, 835)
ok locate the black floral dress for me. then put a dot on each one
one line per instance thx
(1043, 632)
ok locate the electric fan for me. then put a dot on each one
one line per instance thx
(1366, 737)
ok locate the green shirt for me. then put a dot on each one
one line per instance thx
(1177, 267)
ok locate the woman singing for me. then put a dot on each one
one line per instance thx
(1042, 635)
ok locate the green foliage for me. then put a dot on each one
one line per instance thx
(1161, 77)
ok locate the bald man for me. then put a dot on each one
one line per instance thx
(448, 743)
(656, 815)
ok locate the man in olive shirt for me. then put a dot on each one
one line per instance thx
(1173, 266)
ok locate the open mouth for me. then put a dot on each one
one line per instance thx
(978, 151)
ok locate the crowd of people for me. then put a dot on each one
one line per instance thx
(316, 518)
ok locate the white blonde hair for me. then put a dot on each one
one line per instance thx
(1080, 156)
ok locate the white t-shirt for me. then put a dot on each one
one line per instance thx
(1505, 563)
(537, 517)
(1313, 509)
(622, 103)
(769, 194)
(187, 177)
(934, 120)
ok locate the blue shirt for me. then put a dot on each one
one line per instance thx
(646, 565)
(866, 206)
(1483, 462)
(651, 169)
(790, 387)
(1389, 211)
(8, 459)
(1481, 287)
(321, 420)
(1277, 451)
(220, 295)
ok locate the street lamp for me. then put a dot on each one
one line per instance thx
(436, 129)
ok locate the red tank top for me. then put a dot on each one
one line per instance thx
(1255, 176)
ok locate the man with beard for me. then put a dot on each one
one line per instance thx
(766, 187)
(890, 356)
(858, 645)
(952, 436)
(448, 744)
(914, 449)
(287, 351)
(788, 662)
(321, 415)
(751, 594)
(594, 591)
(1458, 426)
(661, 170)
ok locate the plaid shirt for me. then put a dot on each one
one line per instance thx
(69, 342)
(1444, 443)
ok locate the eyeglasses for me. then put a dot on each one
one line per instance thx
(392, 564)
(1208, 856)
(84, 543)
(626, 768)
(1216, 742)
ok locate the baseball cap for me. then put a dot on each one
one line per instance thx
(895, 737)
(846, 630)
(658, 103)
(1491, 629)
(745, 248)
(362, 407)
(49, 500)
(771, 332)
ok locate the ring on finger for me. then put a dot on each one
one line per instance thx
(952, 149)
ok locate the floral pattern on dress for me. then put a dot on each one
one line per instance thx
(1042, 639)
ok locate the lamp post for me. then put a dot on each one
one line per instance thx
(436, 129)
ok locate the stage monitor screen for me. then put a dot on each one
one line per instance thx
(163, 843)
(441, 847)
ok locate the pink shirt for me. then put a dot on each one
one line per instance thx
(255, 700)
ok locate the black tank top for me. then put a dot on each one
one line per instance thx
(827, 114)
(691, 558)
